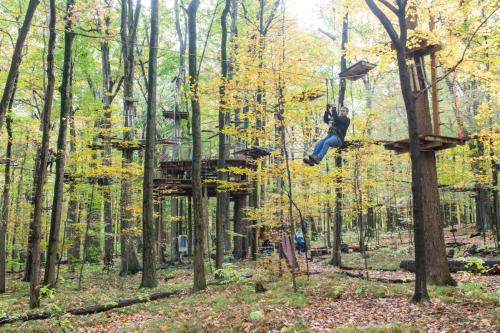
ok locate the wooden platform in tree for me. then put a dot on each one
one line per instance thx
(357, 71)
(128, 145)
(420, 46)
(427, 143)
(70, 177)
(175, 179)
(355, 144)
(254, 152)
(177, 115)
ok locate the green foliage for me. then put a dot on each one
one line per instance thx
(476, 265)
(474, 289)
(227, 274)
(46, 291)
(220, 302)
(296, 327)
(256, 314)
(334, 292)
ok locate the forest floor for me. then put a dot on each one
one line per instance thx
(326, 301)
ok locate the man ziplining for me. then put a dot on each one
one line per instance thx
(336, 133)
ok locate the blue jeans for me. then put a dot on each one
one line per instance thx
(324, 144)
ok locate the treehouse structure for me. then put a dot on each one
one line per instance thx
(174, 177)
(430, 138)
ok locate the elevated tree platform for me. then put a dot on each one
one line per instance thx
(419, 45)
(357, 71)
(121, 144)
(427, 143)
(175, 177)
(176, 115)
(254, 152)
(355, 144)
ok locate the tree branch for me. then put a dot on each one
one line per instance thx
(390, 6)
(246, 16)
(462, 58)
(386, 23)
(327, 34)
(117, 88)
(271, 16)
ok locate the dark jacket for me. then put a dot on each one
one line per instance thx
(338, 125)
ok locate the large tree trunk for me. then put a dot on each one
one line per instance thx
(437, 267)
(222, 194)
(179, 84)
(148, 229)
(66, 104)
(16, 60)
(107, 99)
(337, 226)
(199, 281)
(129, 264)
(399, 42)
(42, 167)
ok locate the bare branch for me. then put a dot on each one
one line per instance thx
(462, 58)
(327, 34)
(386, 23)
(390, 6)
(271, 16)
(117, 88)
(246, 16)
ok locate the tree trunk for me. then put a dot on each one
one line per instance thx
(129, 264)
(162, 241)
(66, 104)
(174, 229)
(42, 167)
(15, 253)
(199, 281)
(92, 239)
(222, 194)
(337, 240)
(148, 230)
(107, 99)
(16, 60)
(73, 229)
(437, 267)
(190, 228)
(399, 42)
(179, 84)
(4, 216)
(240, 239)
